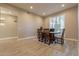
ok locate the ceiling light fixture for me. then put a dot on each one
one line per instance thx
(44, 13)
(2, 18)
(62, 5)
(2, 24)
(31, 7)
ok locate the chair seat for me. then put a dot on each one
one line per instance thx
(58, 36)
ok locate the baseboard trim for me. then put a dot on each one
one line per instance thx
(35, 37)
(31, 37)
(6, 38)
(71, 39)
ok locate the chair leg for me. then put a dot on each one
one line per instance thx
(44, 39)
(41, 40)
(49, 43)
(62, 41)
(38, 39)
(52, 41)
(56, 41)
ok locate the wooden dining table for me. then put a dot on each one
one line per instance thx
(51, 36)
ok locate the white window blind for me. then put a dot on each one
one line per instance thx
(57, 22)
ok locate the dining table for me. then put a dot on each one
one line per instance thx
(52, 36)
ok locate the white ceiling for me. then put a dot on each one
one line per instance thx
(47, 8)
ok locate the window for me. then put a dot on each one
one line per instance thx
(57, 22)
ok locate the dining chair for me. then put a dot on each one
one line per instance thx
(52, 30)
(45, 35)
(59, 38)
(48, 37)
(39, 34)
(52, 35)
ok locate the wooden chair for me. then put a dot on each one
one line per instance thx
(39, 34)
(52, 30)
(59, 38)
(44, 35)
(48, 38)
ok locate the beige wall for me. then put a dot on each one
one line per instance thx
(10, 27)
(28, 23)
(78, 21)
(70, 22)
(26, 26)
(78, 28)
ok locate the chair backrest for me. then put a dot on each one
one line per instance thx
(52, 30)
(39, 33)
(63, 30)
(38, 30)
(61, 34)
(46, 30)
